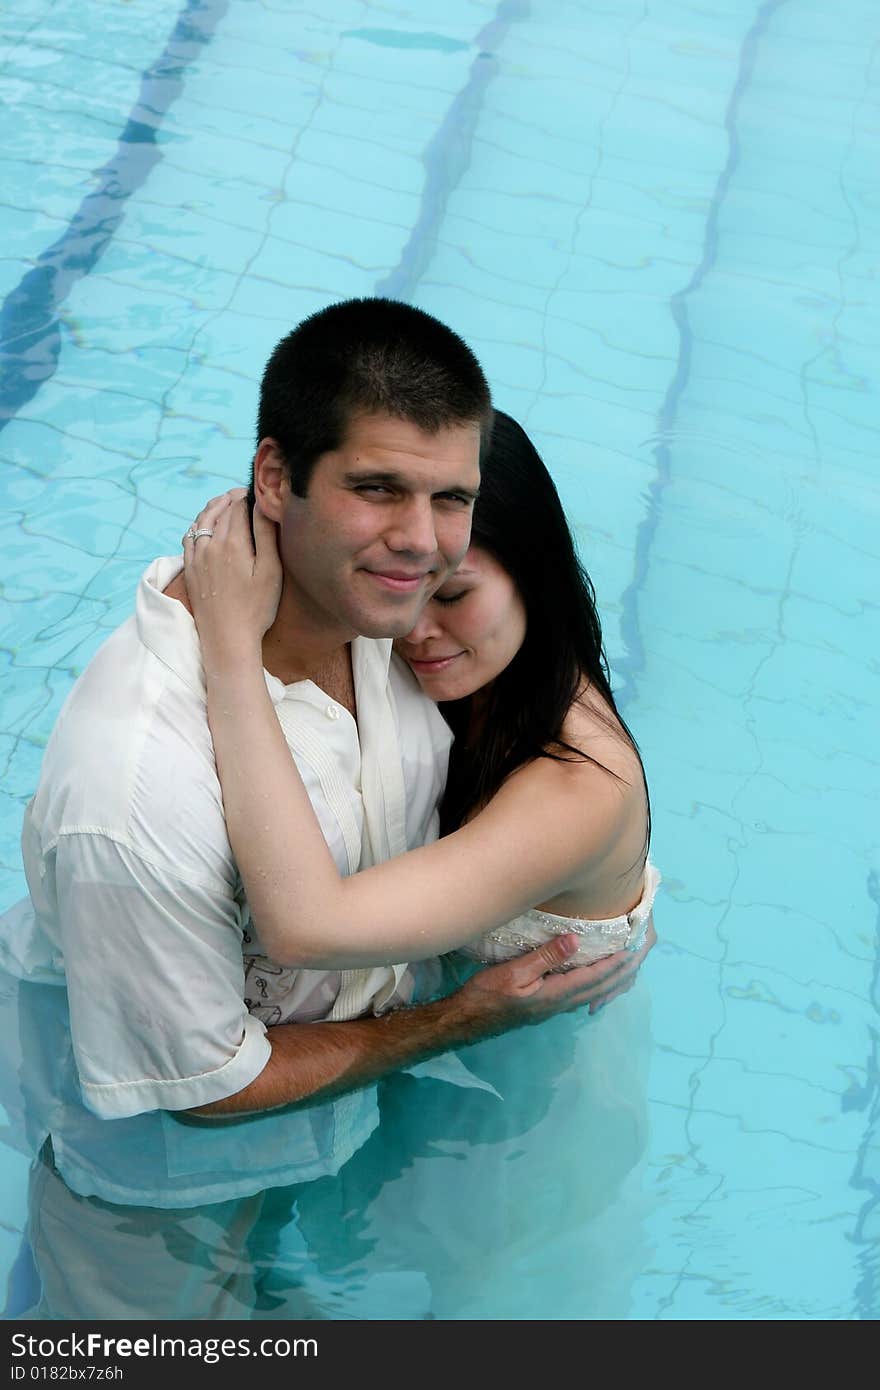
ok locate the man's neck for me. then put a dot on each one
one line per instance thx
(297, 647)
(329, 667)
(305, 645)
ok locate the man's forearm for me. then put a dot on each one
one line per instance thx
(314, 1061)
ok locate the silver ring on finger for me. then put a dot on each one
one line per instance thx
(193, 535)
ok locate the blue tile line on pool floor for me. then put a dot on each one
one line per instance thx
(448, 154)
(866, 1173)
(866, 1176)
(30, 335)
(146, 457)
(632, 662)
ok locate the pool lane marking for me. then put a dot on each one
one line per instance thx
(632, 664)
(447, 155)
(30, 334)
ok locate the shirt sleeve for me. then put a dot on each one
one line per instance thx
(155, 979)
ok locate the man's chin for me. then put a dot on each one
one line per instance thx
(386, 624)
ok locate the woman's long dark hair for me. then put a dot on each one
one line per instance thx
(519, 519)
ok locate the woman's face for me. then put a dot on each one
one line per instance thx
(469, 632)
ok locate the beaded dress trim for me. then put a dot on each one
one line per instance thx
(601, 936)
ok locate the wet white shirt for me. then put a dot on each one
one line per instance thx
(139, 910)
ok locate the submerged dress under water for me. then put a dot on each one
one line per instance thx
(520, 1192)
(522, 1197)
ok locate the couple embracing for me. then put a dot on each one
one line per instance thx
(250, 938)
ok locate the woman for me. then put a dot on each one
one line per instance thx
(546, 816)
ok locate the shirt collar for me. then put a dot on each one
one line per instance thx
(167, 630)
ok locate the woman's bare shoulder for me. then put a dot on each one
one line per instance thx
(590, 783)
(591, 727)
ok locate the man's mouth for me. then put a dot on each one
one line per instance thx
(398, 581)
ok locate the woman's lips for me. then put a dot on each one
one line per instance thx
(434, 664)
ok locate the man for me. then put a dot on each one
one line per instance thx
(372, 416)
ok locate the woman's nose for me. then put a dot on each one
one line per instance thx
(425, 628)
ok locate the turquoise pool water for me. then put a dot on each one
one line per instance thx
(658, 225)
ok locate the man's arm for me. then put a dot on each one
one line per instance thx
(314, 1061)
(158, 1022)
(155, 979)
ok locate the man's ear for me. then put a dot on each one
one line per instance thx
(271, 484)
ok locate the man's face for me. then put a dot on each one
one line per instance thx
(386, 519)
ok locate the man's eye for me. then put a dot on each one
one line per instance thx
(459, 499)
(373, 488)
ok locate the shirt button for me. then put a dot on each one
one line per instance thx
(332, 711)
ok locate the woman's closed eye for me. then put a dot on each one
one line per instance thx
(446, 599)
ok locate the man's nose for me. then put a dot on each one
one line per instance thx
(413, 528)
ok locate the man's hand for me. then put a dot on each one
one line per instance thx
(619, 982)
(536, 986)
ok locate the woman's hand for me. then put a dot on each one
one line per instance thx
(233, 589)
